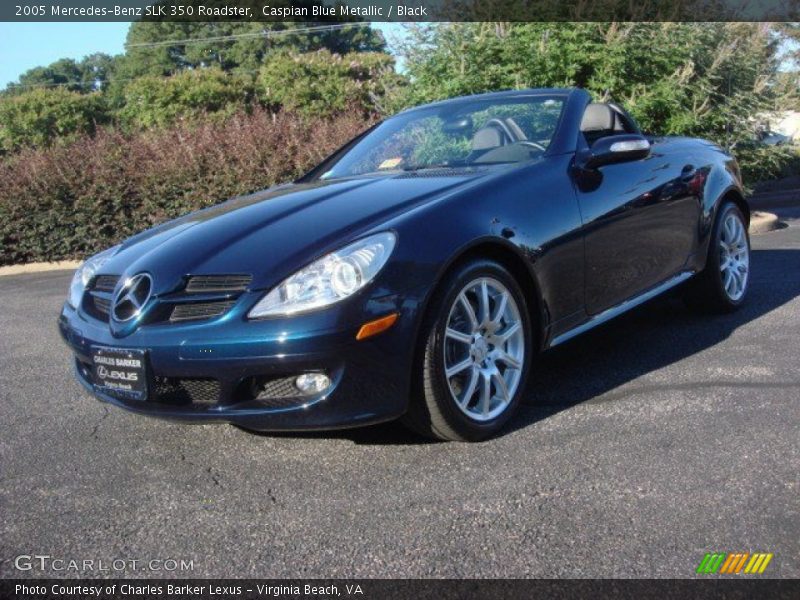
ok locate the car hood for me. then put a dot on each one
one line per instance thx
(272, 233)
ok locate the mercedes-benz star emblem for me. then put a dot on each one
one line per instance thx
(132, 296)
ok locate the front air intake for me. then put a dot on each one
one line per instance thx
(218, 283)
(200, 310)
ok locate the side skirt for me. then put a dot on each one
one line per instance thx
(621, 308)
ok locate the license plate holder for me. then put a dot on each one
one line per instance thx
(120, 371)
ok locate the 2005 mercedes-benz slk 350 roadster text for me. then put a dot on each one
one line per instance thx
(415, 273)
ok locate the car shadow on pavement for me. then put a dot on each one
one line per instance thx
(650, 337)
(653, 336)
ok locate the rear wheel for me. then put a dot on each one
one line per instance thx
(475, 355)
(722, 286)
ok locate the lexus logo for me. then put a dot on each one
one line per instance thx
(132, 296)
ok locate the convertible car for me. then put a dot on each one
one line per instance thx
(416, 273)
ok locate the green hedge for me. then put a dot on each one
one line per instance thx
(162, 101)
(321, 83)
(41, 116)
(72, 200)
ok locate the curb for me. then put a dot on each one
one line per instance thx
(763, 222)
(60, 265)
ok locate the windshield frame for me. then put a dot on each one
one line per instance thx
(434, 109)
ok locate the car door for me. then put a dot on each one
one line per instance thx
(640, 224)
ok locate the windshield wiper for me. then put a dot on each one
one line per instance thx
(434, 166)
(462, 165)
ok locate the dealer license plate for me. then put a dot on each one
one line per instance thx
(120, 371)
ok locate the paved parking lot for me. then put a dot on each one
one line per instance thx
(642, 446)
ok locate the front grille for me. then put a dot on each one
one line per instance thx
(277, 388)
(214, 295)
(218, 283)
(102, 305)
(105, 283)
(278, 392)
(98, 298)
(169, 390)
(173, 390)
(201, 310)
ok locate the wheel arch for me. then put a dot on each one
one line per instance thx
(735, 195)
(508, 255)
(731, 193)
(511, 258)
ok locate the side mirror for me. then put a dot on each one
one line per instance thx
(615, 149)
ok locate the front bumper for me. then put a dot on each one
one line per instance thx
(369, 378)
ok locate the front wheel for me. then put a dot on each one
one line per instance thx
(475, 355)
(723, 284)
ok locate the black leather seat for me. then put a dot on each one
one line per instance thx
(497, 132)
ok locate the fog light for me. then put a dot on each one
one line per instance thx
(312, 383)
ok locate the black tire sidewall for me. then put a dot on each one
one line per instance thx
(465, 427)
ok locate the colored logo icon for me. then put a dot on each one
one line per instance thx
(734, 563)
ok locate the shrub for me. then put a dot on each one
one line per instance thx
(36, 118)
(321, 83)
(763, 163)
(70, 201)
(161, 101)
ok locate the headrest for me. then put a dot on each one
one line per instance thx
(598, 117)
(486, 138)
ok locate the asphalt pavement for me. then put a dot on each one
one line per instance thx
(642, 446)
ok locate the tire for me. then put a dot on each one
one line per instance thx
(721, 287)
(496, 349)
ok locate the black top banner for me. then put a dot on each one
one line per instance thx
(290, 11)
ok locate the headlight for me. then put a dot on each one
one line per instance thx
(330, 279)
(85, 273)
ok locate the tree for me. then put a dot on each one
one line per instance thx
(229, 46)
(84, 76)
(233, 45)
(700, 79)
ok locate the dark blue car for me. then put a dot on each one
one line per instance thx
(415, 273)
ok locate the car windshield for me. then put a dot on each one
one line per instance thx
(458, 135)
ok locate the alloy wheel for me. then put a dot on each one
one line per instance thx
(734, 257)
(484, 349)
